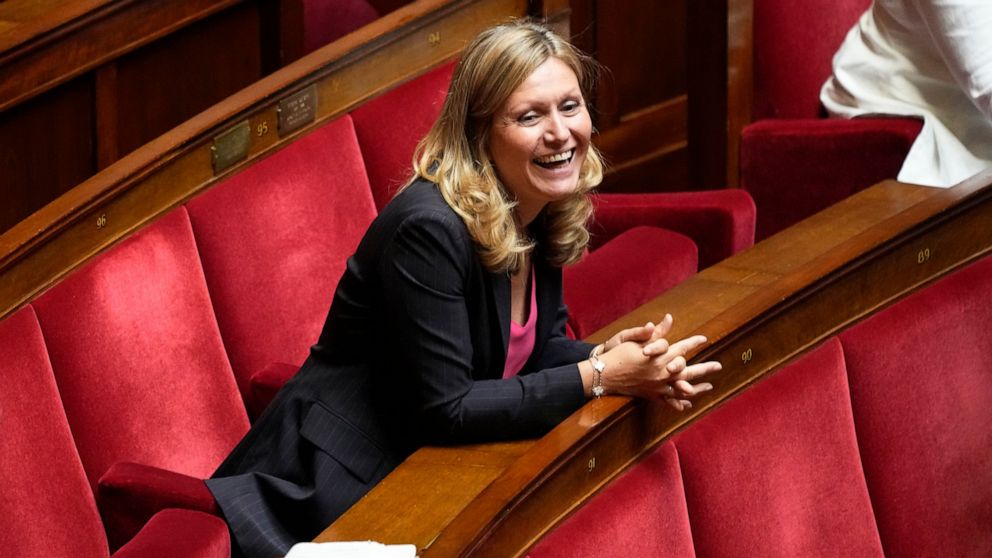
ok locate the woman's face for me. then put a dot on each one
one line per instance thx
(540, 137)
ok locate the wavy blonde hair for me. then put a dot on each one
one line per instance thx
(455, 153)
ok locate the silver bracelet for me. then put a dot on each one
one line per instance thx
(598, 366)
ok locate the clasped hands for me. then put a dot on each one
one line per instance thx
(640, 362)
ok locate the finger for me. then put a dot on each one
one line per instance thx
(694, 371)
(683, 347)
(676, 365)
(686, 389)
(678, 404)
(674, 403)
(664, 327)
(656, 347)
(638, 334)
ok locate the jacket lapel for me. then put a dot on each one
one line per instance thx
(501, 300)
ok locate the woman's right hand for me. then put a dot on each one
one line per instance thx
(656, 369)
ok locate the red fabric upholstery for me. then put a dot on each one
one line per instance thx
(138, 359)
(794, 44)
(274, 240)
(776, 471)
(264, 385)
(180, 533)
(46, 508)
(630, 270)
(641, 513)
(129, 494)
(922, 396)
(720, 222)
(795, 168)
(390, 126)
(327, 20)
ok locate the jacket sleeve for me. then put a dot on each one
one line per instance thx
(424, 271)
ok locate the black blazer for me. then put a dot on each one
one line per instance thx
(412, 353)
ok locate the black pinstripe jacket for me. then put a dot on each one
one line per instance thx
(412, 353)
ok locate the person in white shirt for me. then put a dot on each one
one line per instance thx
(930, 59)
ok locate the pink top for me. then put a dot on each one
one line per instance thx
(522, 337)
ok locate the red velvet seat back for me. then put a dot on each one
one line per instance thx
(921, 387)
(327, 20)
(642, 513)
(274, 240)
(794, 44)
(138, 358)
(623, 274)
(46, 507)
(390, 126)
(776, 471)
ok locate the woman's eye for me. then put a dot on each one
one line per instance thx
(527, 118)
(570, 107)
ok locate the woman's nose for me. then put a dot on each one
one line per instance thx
(557, 130)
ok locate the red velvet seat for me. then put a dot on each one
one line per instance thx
(47, 508)
(140, 364)
(274, 239)
(793, 162)
(642, 513)
(610, 281)
(776, 471)
(921, 390)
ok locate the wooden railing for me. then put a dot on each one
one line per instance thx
(759, 309)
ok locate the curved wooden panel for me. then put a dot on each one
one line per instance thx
(49, 244)
(759, 309)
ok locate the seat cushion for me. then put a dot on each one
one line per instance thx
(46, 507)
(776, 471)
(274, 240)
(138, 357)
(794, 168)
(922, 394)
(626, 272)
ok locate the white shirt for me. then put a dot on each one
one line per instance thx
(929, 59)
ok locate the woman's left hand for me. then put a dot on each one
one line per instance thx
(641, 335)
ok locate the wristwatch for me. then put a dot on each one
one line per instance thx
(597, 383)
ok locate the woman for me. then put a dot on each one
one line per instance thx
(448, 324)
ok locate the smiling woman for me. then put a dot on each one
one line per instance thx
(540, 139)
(448, 325)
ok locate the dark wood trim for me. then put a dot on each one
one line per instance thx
(105, 115)
(760, 309)
(42, 61)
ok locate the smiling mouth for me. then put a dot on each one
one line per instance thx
(555, 161)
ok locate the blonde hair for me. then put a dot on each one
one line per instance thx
(454, 154)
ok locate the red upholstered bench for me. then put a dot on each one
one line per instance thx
(878, 442)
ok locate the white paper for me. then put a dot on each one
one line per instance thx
(361, 549)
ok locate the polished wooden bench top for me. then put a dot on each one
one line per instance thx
(759, 309)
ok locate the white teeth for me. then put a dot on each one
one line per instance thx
(548, 159)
